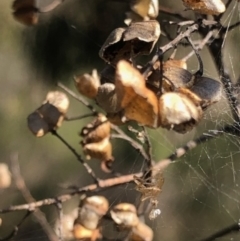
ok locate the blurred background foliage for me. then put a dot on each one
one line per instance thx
(199, 191)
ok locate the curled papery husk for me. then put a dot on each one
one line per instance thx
(101, 150)
(143, 36)
(107, 98)
(25, 12)
(97, 130)
(114, 48)
(126, 43)
(207, 89)
(82, 233)
(141, 232)
(125, 215)
(137, 101)
(87, 84)
(213, 7)
(45, 119)
(59, 100)
(92, 210)
(5, 176)
(178, 112)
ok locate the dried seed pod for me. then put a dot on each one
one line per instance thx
(173, 78)
(116, 118)
(114, 48)
(45, 119)
(92, 210)
(178, 112)
(97, 130)
(213, 7)
(126, 43)
(5, 176)
(125, 215)
(25, 12)
(107, 74)
(207, 89)
(145, 8)
(59, 100)
(107, 98)
(82, 233)
(101, 150)
(141, 232)
(143, 36)
(87, 85)
(138, 102)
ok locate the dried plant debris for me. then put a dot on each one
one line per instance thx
(25, 11)
(96, 142)
(126, 43)
(50, 115)
(142, 10)
(87, 85)
(125, 217)
(213, 7)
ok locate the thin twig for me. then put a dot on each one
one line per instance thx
(16, 228)
(21, 185)
(103, 184)
(79, 117)
(79, 158)
(60, 217)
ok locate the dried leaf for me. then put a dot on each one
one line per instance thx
(82, 233)
(139, 103)
(213, 7)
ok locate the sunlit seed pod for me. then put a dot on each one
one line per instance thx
(153, 8)
(137, 101)
(125, 215)
(141, 232)
(59, 100)
(175, 63)
(5, 176)
(99, 150)
(143, 36)
(82, 233)
(207, 89)
(87, 84)
(97, 130)
(92, 210)
(213, 7)
(107, 98)
(178, 112)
